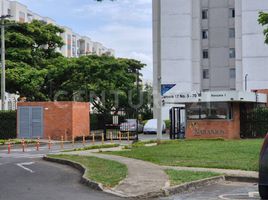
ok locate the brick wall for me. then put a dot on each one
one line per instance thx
(68, 119)
(209, 129)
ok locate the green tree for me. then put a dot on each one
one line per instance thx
(263, 20)
(28, 47)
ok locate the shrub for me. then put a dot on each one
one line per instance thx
(8, 124)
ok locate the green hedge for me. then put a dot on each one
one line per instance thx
(8, 124)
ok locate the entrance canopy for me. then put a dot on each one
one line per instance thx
(214, 96)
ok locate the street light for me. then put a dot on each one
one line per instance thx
(3, 62)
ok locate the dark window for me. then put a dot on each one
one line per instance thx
(232, 73)
(231, 12)
(232, 52)
(210, 110)
(205, 54)
(205, 14)
(231, 33)
(205, 34)
(205, 74)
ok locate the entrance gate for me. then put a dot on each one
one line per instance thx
(177, 122)
(30, 121)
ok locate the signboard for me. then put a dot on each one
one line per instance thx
(214, 96)
(166, 87)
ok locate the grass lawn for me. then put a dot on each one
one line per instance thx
(104, 146)
(235, 154)
(179, 177)
(107, 172)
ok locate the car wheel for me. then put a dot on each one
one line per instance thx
(263, 190)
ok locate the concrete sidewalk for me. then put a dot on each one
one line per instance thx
(143, 177)
(228, 172)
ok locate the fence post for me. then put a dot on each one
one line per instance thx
(23, 145)
(93, 138)
(61, 145)
(111, 137)
(102, 138)
(120, 136)
(9, 147)
(37, 144)
(84, 141)
(128, 136)
(49, 143)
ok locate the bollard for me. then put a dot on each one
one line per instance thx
(38, 144)
(73, 141)
(23, 145)
(102, 138)
(120, 137)
(61, 144)
(9, 147)
(49, 143)
(84, 140)
(93, 138)
(111, 137)
(128, 136)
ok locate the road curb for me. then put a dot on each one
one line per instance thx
(191, 186)
(187, 187)
(84, 180)
(245, 179)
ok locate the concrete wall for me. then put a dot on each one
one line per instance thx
(254, 51)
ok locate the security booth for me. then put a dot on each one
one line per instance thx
(53, 119)
(215, 114)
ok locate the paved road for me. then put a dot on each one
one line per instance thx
(25, 176)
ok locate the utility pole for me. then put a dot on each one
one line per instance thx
(3, 62)
(137, 108)
(158, 97)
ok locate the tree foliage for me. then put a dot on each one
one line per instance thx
(263, 20)
(37, 71)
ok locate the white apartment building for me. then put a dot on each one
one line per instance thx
(73, 41)
(209, 45)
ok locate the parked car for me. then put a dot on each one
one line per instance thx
(130, 125)
(151, 127)
(263, 171)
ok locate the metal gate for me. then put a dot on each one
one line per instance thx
(177, 122)
(253, 122)
(30, 122)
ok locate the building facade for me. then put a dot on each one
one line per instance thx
(209, 45)
(73, 41)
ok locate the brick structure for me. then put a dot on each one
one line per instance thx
(68, 119)
(208, 129)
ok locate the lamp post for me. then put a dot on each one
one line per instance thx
(3, 62)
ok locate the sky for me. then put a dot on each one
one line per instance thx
(124, 25)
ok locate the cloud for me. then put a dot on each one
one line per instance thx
(124, 25)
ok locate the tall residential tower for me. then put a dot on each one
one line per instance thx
(210, 45)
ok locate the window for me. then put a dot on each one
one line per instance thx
(205, 14)
(205, 34)
(231, 33)
(8, 11)
(205, 74)
(232, 73)
(205, 54)
(232, 53)
(231, 12)
(210, 110)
